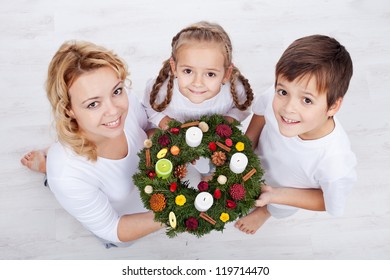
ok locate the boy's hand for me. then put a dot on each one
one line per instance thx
(265, 196)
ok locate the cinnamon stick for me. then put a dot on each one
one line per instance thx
(223, 146)
(249, 174)
(184, 125)
(147, 157)
(207, 218)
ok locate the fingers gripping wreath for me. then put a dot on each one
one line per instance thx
(228, 195)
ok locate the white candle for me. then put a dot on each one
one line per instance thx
(203, 201)
(238, 163)
(194, 136)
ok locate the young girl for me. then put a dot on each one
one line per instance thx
(198, 79)
(303, 148)
(89, 169)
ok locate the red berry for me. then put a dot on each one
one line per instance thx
(217, 194)
(174, 130)
(229, 142)
(173, 187)
(212, 146)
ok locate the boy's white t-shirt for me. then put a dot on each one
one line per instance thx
(182, 109)
(327, 163)
(98, 194)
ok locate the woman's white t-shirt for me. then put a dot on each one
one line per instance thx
(98, 194)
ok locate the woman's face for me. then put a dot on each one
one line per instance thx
(99, 104)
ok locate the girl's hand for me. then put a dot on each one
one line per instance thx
(265, 197)
(164, 122)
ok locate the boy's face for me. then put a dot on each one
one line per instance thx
(301, 110)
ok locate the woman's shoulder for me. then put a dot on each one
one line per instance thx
(58, 151)
(61, 159)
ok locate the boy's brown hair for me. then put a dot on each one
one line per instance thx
(322, 57)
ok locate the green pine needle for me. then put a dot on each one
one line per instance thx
(188, 154)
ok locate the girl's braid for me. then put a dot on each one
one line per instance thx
(201, 31)
(236, 74)
(164, 73)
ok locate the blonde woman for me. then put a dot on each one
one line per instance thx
(100, 129)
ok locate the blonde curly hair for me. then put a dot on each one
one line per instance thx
(73, 59)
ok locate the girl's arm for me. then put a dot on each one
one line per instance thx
(254, 129)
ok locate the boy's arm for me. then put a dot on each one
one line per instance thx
(309, 199)
(254, 129)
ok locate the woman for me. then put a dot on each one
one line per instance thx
(89, 169)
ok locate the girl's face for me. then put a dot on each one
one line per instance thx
(301, 110)
(200, 72)
(99, 104)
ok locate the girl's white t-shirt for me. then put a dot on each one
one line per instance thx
(182, 109)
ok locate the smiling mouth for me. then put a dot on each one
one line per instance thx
(112, 124)
(289, 121)
(196, 92)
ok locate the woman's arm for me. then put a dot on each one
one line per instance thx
(135, 226)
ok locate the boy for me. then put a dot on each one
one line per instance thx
(303, 148)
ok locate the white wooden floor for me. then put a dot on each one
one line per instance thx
(34, 226)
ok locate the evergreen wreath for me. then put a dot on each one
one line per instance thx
(230, 194)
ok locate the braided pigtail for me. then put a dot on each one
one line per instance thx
(236, 75)
(164, 73)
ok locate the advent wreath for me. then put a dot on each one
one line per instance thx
(229, 194)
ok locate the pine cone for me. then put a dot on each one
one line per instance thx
(218, 158)
(180, 171)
